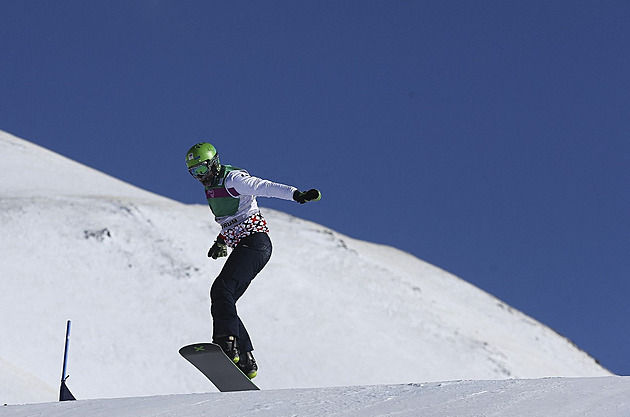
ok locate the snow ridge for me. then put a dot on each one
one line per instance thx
(558, 397)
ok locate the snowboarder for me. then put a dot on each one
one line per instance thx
(231, 193)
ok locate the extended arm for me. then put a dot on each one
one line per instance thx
(245, 184)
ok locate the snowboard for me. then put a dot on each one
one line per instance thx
(217, 367)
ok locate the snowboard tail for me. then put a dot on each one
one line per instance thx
(210, 359)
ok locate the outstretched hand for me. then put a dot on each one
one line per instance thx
(304, 196)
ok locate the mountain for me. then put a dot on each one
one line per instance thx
(129, 268)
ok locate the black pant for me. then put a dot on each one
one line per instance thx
(246, 260)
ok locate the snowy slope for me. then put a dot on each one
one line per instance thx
(129, 268)
(28, 170)
(557, 397)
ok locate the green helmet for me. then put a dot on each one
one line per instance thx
(202, 151)
(203, 162)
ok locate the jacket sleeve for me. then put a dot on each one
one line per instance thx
(245, 184)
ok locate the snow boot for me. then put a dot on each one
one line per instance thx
(229, 345)
(247, 364)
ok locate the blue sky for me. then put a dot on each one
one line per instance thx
(489, 138)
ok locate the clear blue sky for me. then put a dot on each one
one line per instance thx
(490, 138)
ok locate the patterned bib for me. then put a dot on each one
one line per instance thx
(253, 224)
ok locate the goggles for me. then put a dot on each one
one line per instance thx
(201, 169)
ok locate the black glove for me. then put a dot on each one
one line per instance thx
(304, 196)
(218, 250)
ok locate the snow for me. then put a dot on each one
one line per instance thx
(558, 397)
(129, 268)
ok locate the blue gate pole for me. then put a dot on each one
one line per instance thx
(65, 352)
(64, 392)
